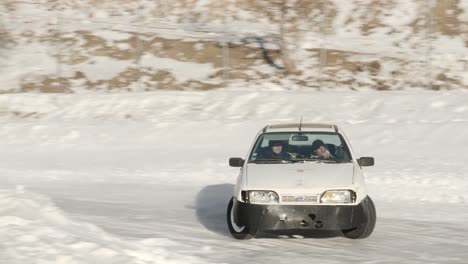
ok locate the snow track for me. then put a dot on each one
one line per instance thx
(134, 178)
(196, 227)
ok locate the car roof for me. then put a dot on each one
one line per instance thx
(304, 127)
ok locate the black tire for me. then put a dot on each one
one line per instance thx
(364, 230)
(244, 232)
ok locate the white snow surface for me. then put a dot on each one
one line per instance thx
(33, 229)
(183, 71)
(143, 177)
(102, 68)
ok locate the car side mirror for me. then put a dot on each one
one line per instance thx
(236, 162)
(366, 161)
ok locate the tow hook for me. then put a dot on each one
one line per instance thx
(283, 217)
(318, 224)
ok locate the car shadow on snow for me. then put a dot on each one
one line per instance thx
(211, 206)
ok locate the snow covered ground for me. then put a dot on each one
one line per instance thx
(143, 177)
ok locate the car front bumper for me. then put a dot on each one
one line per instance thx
(307, 217)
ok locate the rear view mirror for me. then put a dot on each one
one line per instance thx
(236, 162)
(366, 161)
(300, 138)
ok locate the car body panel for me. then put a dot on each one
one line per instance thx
(301, 179)
(304, 175)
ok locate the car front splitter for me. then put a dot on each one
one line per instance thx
(286, 217)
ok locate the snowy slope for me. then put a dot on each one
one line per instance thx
(143, 177)
(140, 45)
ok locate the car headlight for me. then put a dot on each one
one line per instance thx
(263, 197)
(338, 196)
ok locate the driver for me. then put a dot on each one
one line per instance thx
(276, 152)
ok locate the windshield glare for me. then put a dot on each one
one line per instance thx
(300, 147)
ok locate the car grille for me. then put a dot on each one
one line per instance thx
(299, 198)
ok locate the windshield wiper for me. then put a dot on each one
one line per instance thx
(320, 160)
(270, 161)
(302, 160)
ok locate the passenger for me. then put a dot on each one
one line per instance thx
(320, 150)
(276, 152)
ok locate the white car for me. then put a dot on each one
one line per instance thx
(301, 177)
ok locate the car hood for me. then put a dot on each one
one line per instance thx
(306, 176)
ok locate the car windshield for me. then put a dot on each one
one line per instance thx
(289, 147)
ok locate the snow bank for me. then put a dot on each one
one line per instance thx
(33, 229)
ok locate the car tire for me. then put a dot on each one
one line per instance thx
(364, 230)
(238, 232)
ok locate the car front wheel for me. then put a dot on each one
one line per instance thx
(365, 229)
(238, 232)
